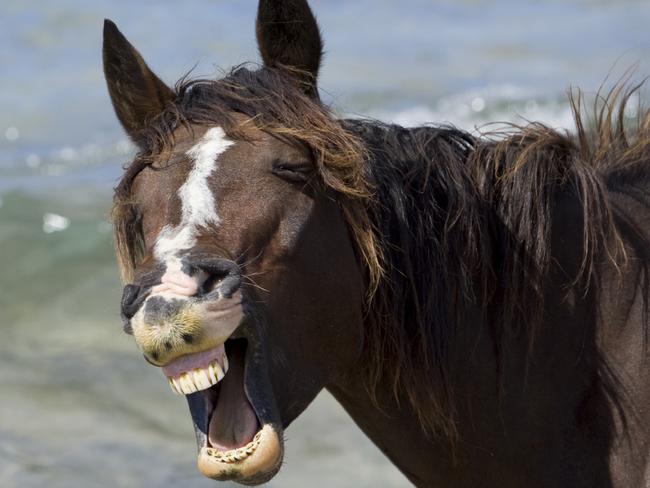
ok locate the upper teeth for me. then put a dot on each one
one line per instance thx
(199, 379)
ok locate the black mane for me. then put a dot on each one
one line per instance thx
(466, 227)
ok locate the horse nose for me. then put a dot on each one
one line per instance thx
(223, 276)
(132, 298)
(210, 275)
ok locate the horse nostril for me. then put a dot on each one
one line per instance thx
(132, 298)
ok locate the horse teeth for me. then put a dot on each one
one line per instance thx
(187, 384)
(208, 379)
(225, 363)
(213, 374)
(219, 371)
(177, 386)
(182, 381)
(172, 385)
(199, 379)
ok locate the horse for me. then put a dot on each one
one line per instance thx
(477, 303)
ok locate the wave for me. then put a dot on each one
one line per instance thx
(473, 110)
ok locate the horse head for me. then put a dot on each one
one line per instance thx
(243, 283)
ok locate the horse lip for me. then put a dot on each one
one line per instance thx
(238, 333)
(255, 464)
(219, 309)
(201, 406)
(215, 306)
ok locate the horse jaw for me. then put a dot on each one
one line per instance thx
(253, 464)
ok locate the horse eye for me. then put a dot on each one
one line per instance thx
(299, 172)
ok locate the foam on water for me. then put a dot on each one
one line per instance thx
(486, 109)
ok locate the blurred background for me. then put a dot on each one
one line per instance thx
(78, 405)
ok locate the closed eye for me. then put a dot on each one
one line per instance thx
(294, 172)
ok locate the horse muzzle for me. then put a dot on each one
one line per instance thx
(191, 307)
(167, 327)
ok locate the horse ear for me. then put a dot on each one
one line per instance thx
(288, 36)
(138, 95)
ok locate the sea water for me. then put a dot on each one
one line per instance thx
(78, 405)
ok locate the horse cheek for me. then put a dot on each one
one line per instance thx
(313, 302)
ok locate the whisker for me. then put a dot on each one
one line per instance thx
(257, 273)
(251, 260)
(242, 254)
(253, 283)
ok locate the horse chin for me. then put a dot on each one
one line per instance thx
(237, 437)
(263, 462)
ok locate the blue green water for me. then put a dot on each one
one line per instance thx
(78, 407)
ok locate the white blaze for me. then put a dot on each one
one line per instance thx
(198, 205)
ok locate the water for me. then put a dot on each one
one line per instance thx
(78, 407)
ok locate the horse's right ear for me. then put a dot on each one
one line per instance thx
(138, 95)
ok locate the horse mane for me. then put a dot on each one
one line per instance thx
(465, 223)
(443, 221)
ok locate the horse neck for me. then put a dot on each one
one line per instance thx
(391, 421)
(560, 407)
(393, 426)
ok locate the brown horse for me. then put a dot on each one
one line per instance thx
(478, 305)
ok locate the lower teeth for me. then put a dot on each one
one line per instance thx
(236, 454)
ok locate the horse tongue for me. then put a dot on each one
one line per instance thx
(233, 423)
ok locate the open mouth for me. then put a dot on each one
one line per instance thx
(234, 440)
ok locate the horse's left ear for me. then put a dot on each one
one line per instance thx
(288, 36)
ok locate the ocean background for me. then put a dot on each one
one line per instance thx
(79, 408)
